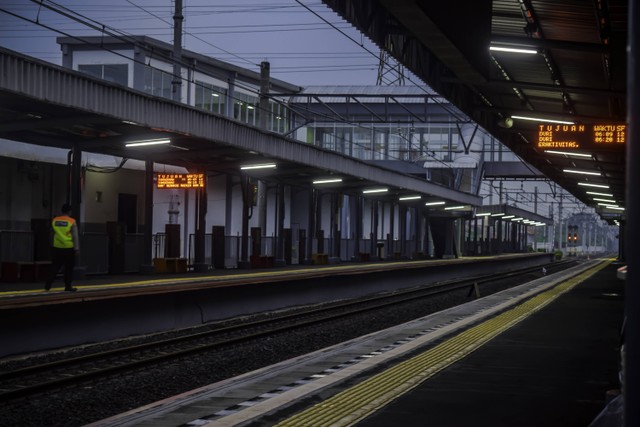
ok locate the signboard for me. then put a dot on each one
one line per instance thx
(604, 136)
(180, 180)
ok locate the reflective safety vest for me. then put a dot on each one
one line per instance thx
(62, 233)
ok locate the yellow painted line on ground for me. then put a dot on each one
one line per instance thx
(241, 276)
(356, 403)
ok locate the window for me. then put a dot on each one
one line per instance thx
(210, 97)
(244, 108)
(116, 73)
(279, 118)
(158, 82)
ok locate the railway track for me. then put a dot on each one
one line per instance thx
(32, 380)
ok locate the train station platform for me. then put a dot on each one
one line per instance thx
(541, 354)
(189, 280)
(136, 305)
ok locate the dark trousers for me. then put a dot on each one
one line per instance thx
(62, 257)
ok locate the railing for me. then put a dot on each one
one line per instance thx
(17, 246)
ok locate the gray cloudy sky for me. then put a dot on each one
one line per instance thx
(302, 48)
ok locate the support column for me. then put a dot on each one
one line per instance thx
(631, 389)
(279, 256)
(311, 224)
(373, 243)
(147, 252)
(199, 247)
(357, 225)
(244, 262)
(392, 226)
(402, 230)
(475, 236)
(336, 204)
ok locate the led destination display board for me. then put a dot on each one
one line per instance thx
(180, 180)
(581, 136)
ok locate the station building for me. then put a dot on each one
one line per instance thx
(409, 129)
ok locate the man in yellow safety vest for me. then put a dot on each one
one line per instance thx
(65, 247)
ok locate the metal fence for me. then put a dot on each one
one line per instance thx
(18, 246)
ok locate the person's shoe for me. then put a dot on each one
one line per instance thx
(70, 289)
(47, 287)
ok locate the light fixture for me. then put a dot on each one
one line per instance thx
(588, 184)
(570, 154)
(539, 119)
(615, 208)
(327, 181)
(506, 123)
(434, 203)
(498, 214)
(410, 198)
(581, 172)
(606, 204)
(508, 217)
(148, 142)
(375, 190)
(484, 214)
(594, 193)
(517, 219)
(604, 200)
(258, 166)
(451, 208)
(513, 50)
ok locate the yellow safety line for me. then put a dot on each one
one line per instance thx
(354, 404)
(240, 276)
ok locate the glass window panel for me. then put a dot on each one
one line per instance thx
(92, 70)
(116, 73)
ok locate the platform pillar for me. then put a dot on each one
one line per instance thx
(631, 390)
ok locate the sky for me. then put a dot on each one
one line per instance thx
(305, 42)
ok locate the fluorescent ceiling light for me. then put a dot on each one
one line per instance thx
(599, 194)
(327, 181)
(450, 208)
(606, 204)
(148, 142)
(581, 172)
(484, 214)
(538, 119)
(540, 224)
(567, 153)
(517, 219)
(410, 198)
(508, 217)
(434, 203)
(376, 190)
(616, 208)
(604, 200)
(513, 50)
(588, 184)
(498, 214)
(259, 166)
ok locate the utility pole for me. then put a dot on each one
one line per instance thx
(176, 83)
